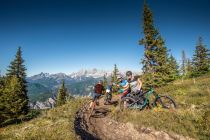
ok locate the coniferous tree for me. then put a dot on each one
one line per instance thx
(105, 83)
(17, 69)
(114, 78)
(183, 64)
(115, 73)
(2, 95)
(13, 104)
(155, 67)
(174, 68)
(62, 95)
(189, 68)
(200, 59)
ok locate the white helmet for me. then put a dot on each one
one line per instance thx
(107, 90)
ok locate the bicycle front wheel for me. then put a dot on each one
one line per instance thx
(165, 102)
(126, 103)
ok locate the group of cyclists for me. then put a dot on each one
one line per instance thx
(130, 84)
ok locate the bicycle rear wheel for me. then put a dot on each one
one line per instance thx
(165, 102)
(125, 103)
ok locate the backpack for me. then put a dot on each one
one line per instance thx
(98, 88)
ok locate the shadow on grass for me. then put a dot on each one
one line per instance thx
(101, 113)
(115, 103)
(31, 115)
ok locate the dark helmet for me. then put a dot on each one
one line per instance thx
(128, 73)
(100, 81)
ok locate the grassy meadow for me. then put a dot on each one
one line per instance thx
(53, 124)
(192, 118)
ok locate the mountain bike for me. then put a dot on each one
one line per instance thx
(142, 100)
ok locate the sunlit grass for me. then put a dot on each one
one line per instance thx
(54, 124)
(192, 118)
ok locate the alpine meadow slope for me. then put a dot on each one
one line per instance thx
(191, 119)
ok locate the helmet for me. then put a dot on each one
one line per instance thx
(128, 73)
(119, 76)
(100, 81)
(107, 90)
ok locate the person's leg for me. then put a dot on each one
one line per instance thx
(97, 99)
(124, 94)
(93, 101)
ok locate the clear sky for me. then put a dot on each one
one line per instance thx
(65, 36)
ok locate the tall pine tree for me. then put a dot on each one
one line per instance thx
(105, 83)
(155, 67)
(13, 103)
(17, 69)
(2, 95)
(174, 68)
(200, 59)
(62, 95)
(115, 73)
(189, 68)
(183, 64)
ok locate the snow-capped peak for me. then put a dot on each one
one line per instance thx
(95, 73)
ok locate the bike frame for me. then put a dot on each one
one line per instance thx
(146, 101)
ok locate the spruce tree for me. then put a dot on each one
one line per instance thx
(189, 68)
(114, 78)
(17, 69)
(2, 95)
(115, 73)
(200, 59)
(105, 83)
(174, 68)
(13, 102)
(183, 64)
(62, 95)
(155, 67)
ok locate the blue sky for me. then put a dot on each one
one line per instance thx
(65, 36)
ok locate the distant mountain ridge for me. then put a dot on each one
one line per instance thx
(95, 73)
(44, 85)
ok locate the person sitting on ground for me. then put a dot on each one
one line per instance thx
(109, 91)
(98, 90)
(134, 82)
(110, 86)
(123, 85)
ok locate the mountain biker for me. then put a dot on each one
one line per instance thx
(108, 96)
(134, 82)
(124, 86)
(98, 90)
(109, 86)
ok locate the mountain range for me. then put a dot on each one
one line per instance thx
(44, 85)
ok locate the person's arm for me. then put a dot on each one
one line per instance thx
(118, 85)
(140, 83)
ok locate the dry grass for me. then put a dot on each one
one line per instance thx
(192, 118)
(54, 124)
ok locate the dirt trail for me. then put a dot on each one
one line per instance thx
(101, 126)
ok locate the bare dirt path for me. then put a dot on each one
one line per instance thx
(102, 126)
